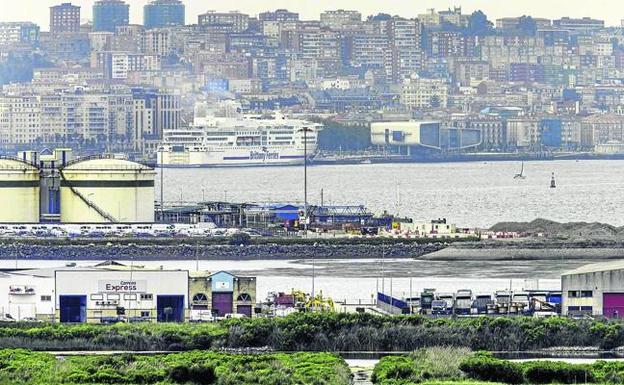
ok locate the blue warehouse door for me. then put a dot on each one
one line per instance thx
(170, 308)
(73, 308)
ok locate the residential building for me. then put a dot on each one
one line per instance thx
(65, 18)
(158, 110)
(19, 32)
(280, 15)
(585, 24)
(441, 44)
(158, 42)
(337, 19)
(405, 54)
(602, 128)
(423, 93)
(492, 128)
(20, 121)
(523, 132)
(511, 24)
(369, 50)
(225, 21)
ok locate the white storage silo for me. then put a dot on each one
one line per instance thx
(19, 191)
(107, 190)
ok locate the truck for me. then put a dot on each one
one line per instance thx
(463, 302)
(426, 299)
(481, 303)
(439, 307)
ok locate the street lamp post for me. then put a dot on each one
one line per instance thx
(305, 179)
(313, 269)
(410, 292)
(162, 183)
(383, 277)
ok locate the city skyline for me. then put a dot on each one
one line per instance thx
(37, 11)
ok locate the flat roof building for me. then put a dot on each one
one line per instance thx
(110, 14)
(584, 24)
(595, 290)
(224, 21)
(163, 13)
(65, 18)
(115, 292)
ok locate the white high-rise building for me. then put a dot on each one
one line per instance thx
(417, 92)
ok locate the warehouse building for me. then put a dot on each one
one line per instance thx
(596, 290)
(95, 296)
(221, 293)
(114, 292)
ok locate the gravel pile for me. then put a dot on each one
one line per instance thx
(576, 231)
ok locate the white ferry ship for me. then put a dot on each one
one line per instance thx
(215, 141)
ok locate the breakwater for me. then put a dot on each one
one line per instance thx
(529, 249)
(187, 250)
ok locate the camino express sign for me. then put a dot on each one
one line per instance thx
(122, 286)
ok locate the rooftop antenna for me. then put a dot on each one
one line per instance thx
(398, 198)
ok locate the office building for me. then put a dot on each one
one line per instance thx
(110, 14)
(163, 13)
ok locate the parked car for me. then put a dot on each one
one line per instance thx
(234, 315)
(7, 318)
(30, 319)
(110, 320)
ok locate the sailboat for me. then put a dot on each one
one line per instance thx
(552, 181)
(521, 174)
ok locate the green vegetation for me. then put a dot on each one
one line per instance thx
(483, 366)
(323, 332)
(439, 363)
(448, 365)
(122, 336)
(19, 367)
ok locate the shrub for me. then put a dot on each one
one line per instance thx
(179, 373)
(394, 368)
(193, 367)
(240, 239)
(202, 374)
(483, 366)
(322, 332)
(548, 372)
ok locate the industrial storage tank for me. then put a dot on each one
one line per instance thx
(19, 191)
(106, 189)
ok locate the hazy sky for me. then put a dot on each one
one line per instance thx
(610, 10)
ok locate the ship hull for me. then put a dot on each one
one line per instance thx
(231, 158)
